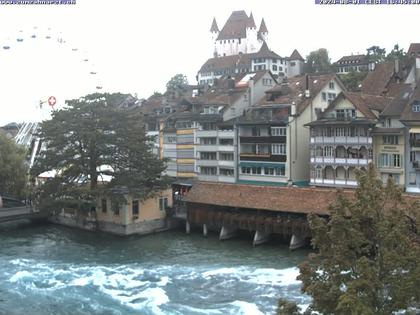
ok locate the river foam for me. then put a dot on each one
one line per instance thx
(155, 289)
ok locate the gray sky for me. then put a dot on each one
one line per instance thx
(137, 46)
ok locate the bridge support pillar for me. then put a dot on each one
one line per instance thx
(296, 242)
(187, 227)
(227, 233)
(205, 231)
(260, 237)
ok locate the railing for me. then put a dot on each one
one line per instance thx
(337, 182)
(334, 160)
(342, 140)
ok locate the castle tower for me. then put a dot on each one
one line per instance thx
(263, 32)
(214, 30)
(251, 36)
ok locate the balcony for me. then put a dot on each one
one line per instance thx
(341, 140)
(415, 143)
(340, 161)
(206, 133)
(200, 162)
(333, 182)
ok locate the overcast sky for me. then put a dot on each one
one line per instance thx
(137, 46)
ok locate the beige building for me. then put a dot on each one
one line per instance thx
(134, 216)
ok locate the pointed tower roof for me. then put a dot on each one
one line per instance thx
(235, 26)
(214, 27)
(265, 52)
(250, 23)
(296, 56)
(263, 27)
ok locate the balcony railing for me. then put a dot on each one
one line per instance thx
(334, 160)
(341, 140)
(334, 182)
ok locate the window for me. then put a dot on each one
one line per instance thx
(254, 170)
(103, 205)
(292, 64)
(278, 131)
(115, 207)
(331, 85)
(390, 140)
(324, 96)
(208, 141)
(163, 203)
(226, 141)
(135, 208)
(389, 160)
(274, 67)
(278, 149)
(170, 139)
(226, 172)
(207, 170)
(331, 96)
(340, 132)
(387, 122)
(416, 108)
(226, 156)
(239, 40)
(208, 155)
(345, 114)
(412, 156)
(328, 151)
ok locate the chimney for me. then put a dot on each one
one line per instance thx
(231, 83)
(307, 91)
(396, 65)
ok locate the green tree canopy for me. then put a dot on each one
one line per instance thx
(368, 253)
(353, 80)
(318, 61)
(376, 54)
(94, 145)
(177, 81)
(13, 168)
(396, 53)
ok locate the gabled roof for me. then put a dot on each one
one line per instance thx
(377, 80)
(265, 52)
(296, 56)
(396, 107)
(263, 27)
(292, 91)
(408, 115)
(353, 59)
(237, 61)
(365, 103)
(414, 49)
(235, 26)
(214, 27)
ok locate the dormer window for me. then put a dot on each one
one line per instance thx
(416, 107)
(331, 85)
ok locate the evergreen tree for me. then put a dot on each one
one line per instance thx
(376, 54)
(13, 168)
(94, 145)
(368, 253)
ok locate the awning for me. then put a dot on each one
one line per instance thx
(415, 130)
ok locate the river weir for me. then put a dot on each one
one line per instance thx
(49, 269)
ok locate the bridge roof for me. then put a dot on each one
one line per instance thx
(281, 199)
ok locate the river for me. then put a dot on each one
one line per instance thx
(49, 269)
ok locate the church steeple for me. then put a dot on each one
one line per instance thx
(263, 27)
(214, 28)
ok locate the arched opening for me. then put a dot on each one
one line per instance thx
(329, 172)
(340, 152)
(340, 173)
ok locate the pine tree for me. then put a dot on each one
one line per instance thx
(367, 258)
(94, 145)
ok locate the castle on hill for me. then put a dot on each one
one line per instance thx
(239, 47)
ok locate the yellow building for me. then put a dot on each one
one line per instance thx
(134, 216)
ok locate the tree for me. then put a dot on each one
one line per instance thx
(13, 168)
(177, 81)
(396, 53)
(375, 54)
(318, 61)
(368, 253)
(95, 146)
(353, 80)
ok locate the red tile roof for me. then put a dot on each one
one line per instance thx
(296, 56)
(414, 49)
(263, 27)
(235, 26)
(214, 27)
(377, 80)
(284, 199)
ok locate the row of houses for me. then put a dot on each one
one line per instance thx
(255, 128)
